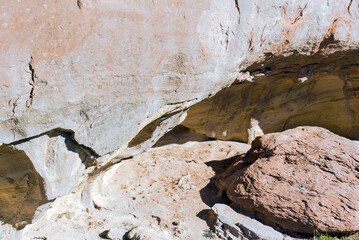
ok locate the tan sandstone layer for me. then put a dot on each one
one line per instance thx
(285, 93)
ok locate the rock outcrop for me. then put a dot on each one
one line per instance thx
(304, 179)
(110, 78)
(155, 195)
(285, 93)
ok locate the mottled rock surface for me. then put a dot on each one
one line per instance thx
(303, 179)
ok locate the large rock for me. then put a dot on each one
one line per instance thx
(115, 76)
(303, 179)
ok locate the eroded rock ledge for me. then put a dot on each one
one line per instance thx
(117, 76)
(283, 93)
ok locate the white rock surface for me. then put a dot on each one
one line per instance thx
(140, 197)
(60, 167)
(105, 70)
(233, 225)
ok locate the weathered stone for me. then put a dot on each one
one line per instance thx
(277, 99)
(58, 160)
(230, 224)
(105, 70)
(146, 233)
(303, 179)
(116, 233)
(119, 75)
(144, 191)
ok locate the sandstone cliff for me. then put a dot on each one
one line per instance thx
(84, 81)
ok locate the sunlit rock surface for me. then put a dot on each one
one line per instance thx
(155, 195)
(303, 179)
(115, 76)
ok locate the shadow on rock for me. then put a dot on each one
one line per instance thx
(180, 135)
(21, 187)
(210, 194)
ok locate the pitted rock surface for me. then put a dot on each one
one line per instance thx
(303, 179)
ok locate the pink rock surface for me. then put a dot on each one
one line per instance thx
(303, 179)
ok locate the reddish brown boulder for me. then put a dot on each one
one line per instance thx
(302, 179)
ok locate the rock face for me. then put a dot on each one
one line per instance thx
(303, 179)
(105, 70)
(56, 157)
(114, 76)
(285, 93)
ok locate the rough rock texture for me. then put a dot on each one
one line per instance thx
(105, 69)
(58, 160)
(156, 194)
(36, 171)
(303, 179)
(231, 225)
(118, 75)
(285, 92)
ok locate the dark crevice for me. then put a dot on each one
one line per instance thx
(182, 102)
(301, 10)
(238, 10)
(86, 154)
(14, 105)
(180, 135)
(328, 41)
(350, 4)
(102, 168)
(32, 83)
(79, 4)
(104, 234)
(146, 133)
